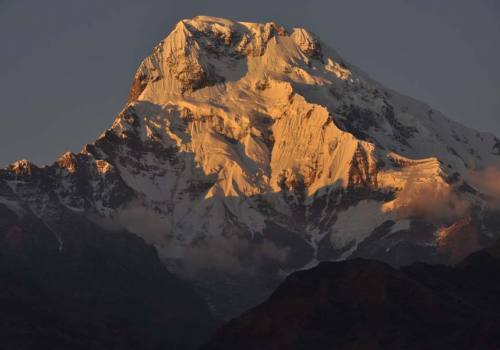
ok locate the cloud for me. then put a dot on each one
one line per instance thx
(216, 253)
(137, 219)
(487, 181)
(442, 203)
(234, 255)
(435, 202)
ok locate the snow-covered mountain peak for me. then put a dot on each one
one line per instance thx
(245, 77)
(207, 51)
(251, 142)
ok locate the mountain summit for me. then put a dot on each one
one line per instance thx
(253, 147)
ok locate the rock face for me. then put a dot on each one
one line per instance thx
(90, 289)
(251, 147)
(364, 304)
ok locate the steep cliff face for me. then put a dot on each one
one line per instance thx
(244, 144)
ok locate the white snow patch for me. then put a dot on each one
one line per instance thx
(357, 223)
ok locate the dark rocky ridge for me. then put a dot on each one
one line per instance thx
(98, 290)
(364, 304)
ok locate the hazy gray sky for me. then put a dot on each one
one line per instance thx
(66, 66)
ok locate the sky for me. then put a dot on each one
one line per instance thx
(66, 66)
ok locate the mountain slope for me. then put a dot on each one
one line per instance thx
(249, 148)
(363, 304)
(90, 288)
